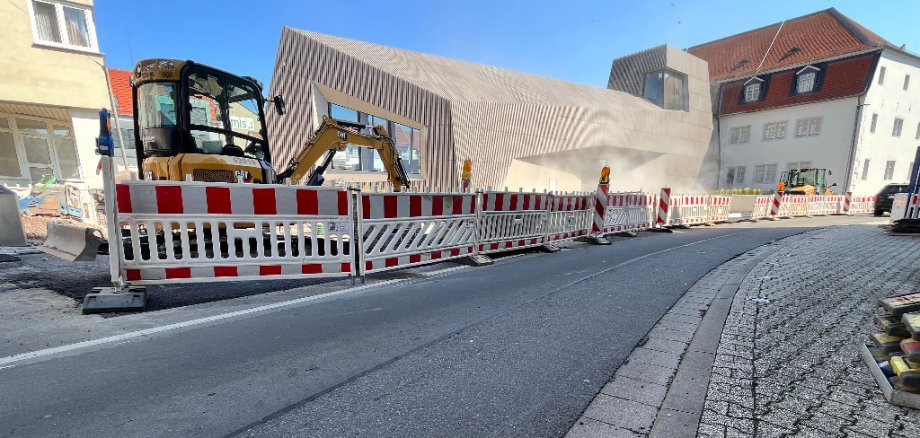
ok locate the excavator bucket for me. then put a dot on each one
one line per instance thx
(72, 242)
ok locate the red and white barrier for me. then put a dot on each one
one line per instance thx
(192, 231)
(570, 216)
(823, 205)
(762, 207)
(688, 210)
(511, 220)
(858, 204)
(399, 230)
(794, 206)
(664, 204)
(776, 205)
(719, 208)
(600, 208)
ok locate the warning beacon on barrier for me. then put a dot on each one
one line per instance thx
(467, 175)
(605, 175)
(780, 186)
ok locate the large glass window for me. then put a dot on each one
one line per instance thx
(805, 82)
(666, 89)
(406, 139)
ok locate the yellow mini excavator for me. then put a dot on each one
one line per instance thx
(809, 182)
(198, 122)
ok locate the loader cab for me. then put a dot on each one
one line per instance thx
(191, 119)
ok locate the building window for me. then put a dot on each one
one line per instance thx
(45, 147)
(774, 131)
(9, 158)
(740, 134)
(798, 165)
(874, 123)
(810, 127)
(865, 170)
(764, 173)
(889, 170)
(881, 76)
(734, 176)
(752, 92)
(906, 82)
(667, 89)
(805, 80)
(64, 25)
(896, 129)
(357, 159)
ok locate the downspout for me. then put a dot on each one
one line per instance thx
(854, 143)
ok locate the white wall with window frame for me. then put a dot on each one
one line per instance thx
(31, 147)
(63, 25)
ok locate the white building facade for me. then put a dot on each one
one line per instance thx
(889, 126)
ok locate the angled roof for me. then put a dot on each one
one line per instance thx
(839, 79)
(457, 80)
(121, 89)
(807, 39)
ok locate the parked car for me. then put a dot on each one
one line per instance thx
(886, 196)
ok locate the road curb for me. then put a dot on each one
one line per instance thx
(661, 388)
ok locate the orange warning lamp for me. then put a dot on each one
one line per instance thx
(781, 186)
(467, 170)
(605, 175)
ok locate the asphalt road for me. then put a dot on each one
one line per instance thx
(515, 349)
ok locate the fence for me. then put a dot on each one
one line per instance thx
(398, 230)
(719, 208)
(823, 205)
(511, 220)
(191, 231)
(688, 210)
(858, 204)
(569, 216)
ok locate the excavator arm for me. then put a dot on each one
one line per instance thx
(333, 136)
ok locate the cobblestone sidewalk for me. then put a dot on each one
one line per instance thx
(787, 363)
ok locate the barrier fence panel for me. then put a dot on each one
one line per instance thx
(642, 210)
(793, 206)
(398, 230)
(688, 210)
(570, 216)
(761, 207)
(511, 220)
(200, 232)
(823, 205)
(629, 211)
(861, 204)
(719, 208)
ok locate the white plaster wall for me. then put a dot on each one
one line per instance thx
(828, 150)
(889, 100)
(85, 130)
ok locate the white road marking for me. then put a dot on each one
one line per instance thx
(127, 337)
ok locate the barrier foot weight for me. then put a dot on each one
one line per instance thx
(598, 240)
(549, 247)
(479, 260)
(661, 230)
(109, 299)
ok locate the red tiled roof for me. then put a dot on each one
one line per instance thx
(819, 36)
(121, 88)
(843, 78)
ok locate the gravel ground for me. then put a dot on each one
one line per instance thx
(788, 364)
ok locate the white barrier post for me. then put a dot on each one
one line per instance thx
(846, 203)
(113, 227)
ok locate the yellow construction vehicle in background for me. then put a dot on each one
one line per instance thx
(198, 122)
(807, 182)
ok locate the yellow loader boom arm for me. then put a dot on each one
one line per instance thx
(333, 136)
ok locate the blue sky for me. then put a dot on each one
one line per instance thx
(573, 40)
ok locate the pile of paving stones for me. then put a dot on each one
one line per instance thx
(896, 347)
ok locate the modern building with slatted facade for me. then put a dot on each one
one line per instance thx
(519, 129)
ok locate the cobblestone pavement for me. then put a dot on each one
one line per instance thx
(787, 363)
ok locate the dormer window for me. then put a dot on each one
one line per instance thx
(806, 79)
(752, 89)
